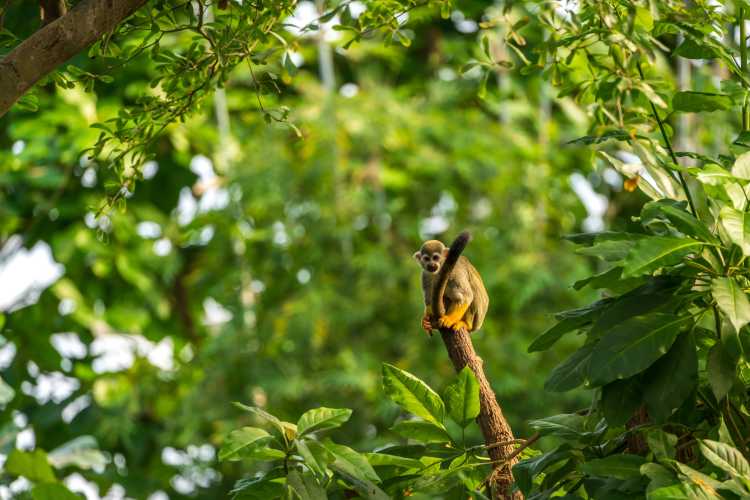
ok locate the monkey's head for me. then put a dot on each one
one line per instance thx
(431, 256)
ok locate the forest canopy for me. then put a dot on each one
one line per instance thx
(208, 216)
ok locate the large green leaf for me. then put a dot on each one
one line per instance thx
(306, 486)
(319, 419)
(617, 466)
(412, 394)
(240, 439)
(572, 372)
(421, 430)
(680, 218)
(462, 397)
(714, 175)
(385, 459)
(620, 399)
(565, 425)
(732, 301)
(33, 465)
(633, 346)
(741, 167)
(352, 462)
(316, 456)
(672, 378)
(569, 321)
(721, 370)
(737, 225)
(694, 102)
(726, 457)
(365, 488)
(648, 254)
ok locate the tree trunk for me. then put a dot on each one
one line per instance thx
(491, 420)
(56, 42)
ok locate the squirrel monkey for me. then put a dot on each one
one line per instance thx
(465, 297)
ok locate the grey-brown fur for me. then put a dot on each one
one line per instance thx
(464, 283)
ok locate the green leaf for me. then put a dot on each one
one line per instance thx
(525, 470)
(33, 465)
(737, 225)
(572, 372)
(662, 444)
(260, 488)
(649, 254)
(566, 426)
(52, 491)
(633, 346)
(305, 486)
(617, 466)
(323, 418)
(610, 251)
(741, 167)
(703, 486)
(620, 399)
(264, 415)
(695, 102)
(725, 457)
(671, 379)
(462, 397)
(721, 371)
(352, 462)
(691, 49)
(732, 301)
(681, 219)
(412, 394)
(365, 488)
(570, 321)
(316, 456)
(421, 430)
(240, 439)
(714, 175)
(384, 459)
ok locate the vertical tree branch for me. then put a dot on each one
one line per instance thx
(492, 422)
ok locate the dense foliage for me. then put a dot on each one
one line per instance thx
(666, 346)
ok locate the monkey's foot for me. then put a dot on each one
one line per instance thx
(426, 324)
(447, 321)
(460, 325)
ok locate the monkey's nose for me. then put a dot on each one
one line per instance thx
(432, 267)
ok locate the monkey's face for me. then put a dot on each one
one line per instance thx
(431, 256)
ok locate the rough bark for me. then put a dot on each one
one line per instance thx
(492, 422)
(56, 42)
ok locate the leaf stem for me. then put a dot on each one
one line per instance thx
(743, 65)
(668, 145)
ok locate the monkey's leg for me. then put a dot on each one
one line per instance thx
(453, 315)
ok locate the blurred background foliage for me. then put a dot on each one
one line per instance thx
(254, 265)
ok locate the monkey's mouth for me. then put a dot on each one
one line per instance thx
(432, 268)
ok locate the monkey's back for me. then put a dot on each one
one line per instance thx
(463, 280)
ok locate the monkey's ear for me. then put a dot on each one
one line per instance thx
(417, 255)
(445, 252)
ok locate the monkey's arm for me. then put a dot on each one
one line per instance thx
(427, 319)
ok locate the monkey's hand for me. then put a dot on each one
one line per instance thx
(427, 319)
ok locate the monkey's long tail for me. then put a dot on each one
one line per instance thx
(454, 252)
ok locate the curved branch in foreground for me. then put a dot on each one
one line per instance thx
(494, 426)
(56, 42)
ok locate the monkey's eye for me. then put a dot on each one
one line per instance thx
(435, 257)
(426, 258)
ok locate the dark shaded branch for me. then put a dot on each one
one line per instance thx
(497, 433)
(56, 42)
